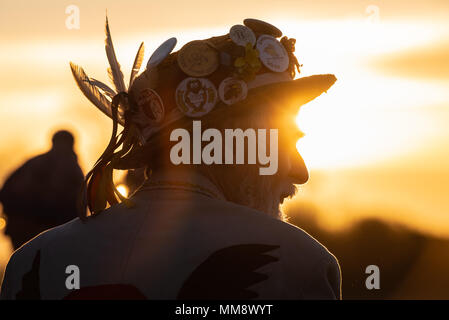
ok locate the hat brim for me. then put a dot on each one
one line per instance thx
(296, 93)
(289, 95)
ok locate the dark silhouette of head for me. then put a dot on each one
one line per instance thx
(63, 138)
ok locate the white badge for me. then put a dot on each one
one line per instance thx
(161, 53)
(196, 97)
(241, 35)
(232, 90)
(272, 53)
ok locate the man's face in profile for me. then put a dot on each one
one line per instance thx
(292, 169)
(246, 186)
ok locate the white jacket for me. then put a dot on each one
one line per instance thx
(179, 241)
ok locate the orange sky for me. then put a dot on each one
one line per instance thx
(378, 139)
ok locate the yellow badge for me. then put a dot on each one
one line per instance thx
(198, 59)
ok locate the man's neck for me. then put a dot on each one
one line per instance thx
(188, 180)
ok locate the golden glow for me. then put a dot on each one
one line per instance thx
(342, 132)
(123, 189)
(2, 223)
(366, 116)
(369, 119)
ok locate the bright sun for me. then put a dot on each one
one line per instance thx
(366, 116)
(123, 189)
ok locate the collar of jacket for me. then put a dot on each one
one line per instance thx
(188, 181)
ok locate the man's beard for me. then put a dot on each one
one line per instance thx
(246, 187)
(267, 196)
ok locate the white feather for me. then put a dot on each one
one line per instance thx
(137, 64)
(115, 73)
(103, 87)
(90, 91)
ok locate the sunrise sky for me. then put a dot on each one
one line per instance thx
(376, 144)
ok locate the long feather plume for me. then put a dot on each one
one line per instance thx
(137, 64)
(104, 87)
(90, 91)
(115, 73)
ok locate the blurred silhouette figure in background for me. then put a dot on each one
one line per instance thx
(43, 192)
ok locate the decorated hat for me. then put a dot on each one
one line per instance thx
(252, 60)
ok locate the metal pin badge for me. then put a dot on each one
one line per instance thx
(161, 53)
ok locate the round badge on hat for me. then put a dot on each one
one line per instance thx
(196, 97)
(241, 35)
(151, 106)
(161, 53)
(262, 27)
(272, 53)
(198, 59)
(232, 90)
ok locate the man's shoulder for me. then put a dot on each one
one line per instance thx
(118, 219)
(29, 249)
(307, 263)
(301, 254)
(56, 243)
(292, 237)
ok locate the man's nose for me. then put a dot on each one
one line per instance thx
(298, 170)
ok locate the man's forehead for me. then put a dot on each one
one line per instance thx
(278, 113)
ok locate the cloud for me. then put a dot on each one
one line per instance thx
(429, 63)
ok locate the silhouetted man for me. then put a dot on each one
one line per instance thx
(202, 230)
(43, 192)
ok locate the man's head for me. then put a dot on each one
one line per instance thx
(213, 81)
(243, 183)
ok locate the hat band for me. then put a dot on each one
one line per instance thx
(260, 80)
